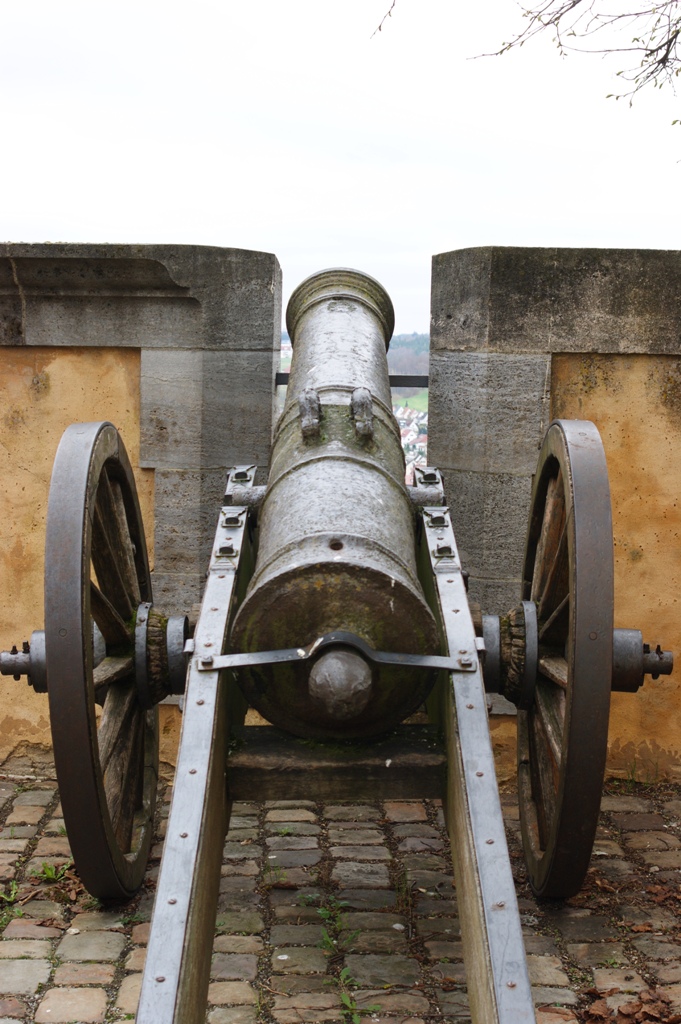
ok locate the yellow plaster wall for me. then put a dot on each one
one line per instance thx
(42, 391)
(635, 402)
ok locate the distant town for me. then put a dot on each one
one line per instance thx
(408, 353)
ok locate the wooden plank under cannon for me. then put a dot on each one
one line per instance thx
(409, 764)
(497, 980)
(177, 968)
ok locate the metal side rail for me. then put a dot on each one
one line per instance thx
(499, 989)
(176, 975)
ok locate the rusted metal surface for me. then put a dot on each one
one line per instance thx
(336, 546)
(494, 952)
(108, 819)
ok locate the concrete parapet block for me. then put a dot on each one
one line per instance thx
(506, 299)
(488, 411)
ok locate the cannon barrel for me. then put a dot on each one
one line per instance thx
(336, 537)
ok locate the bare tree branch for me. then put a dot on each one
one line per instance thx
(385, 17)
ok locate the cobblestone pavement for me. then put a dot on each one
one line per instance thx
(328, 911)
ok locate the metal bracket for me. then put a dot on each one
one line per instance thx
(340, 638)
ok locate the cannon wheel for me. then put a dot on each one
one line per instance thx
(562, 738)
(105, 744)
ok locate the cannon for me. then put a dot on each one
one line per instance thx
(336, 605)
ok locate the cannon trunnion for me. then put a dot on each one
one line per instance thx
(335, 603)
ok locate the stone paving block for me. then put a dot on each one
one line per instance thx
(417, 844)
(34, 798)
(129, 993)
(625, 804)
(233, 1015)
(547, 996)
(18, 831)
(23, 977)
(422, 862)
(613, 869)
(366, 876)
(367, 920)
(669, 973)
(582, 927)
(25, 815)
(656, 949)
(392, 1002)
(241, 850)
(652, 841)
(351, 812)
(438, 926)
(546, 970)
(296, 934)
(598, 954)
(621, 979)
(663, 859)
(404, 810)
(367, 899)
(541, 945)
(244, 923)
(292, 842)
(432, 881)
(7, 867)
(387, 941)
(85, 974)
(242, 835)
(243, 868)
(453, 1004)
(371, 970)
(282, 804)
(15, 846)
(140, 933)
(295, 828)
(362, 853)
(290, 815)
(449, 973)
(363, 836)
(429, 906)
(106, 946)
(674, 993)
(231, 993)
(607, 848)
(32, 949)
(22, 929)
(98, 921)
(294, 912)
(307, 1008)
(673, 807)
(415, 829)
(638, 822)
(238, 944)
(53, 846)
(294, 858)
(233, 967)
(136, 960)
(290, 984)
(298, 960)
(63, 1005)
(554, 1015)
(238, 821)
(11, 1007)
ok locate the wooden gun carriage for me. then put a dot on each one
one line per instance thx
(335, 604)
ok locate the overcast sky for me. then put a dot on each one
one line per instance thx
(283, 125)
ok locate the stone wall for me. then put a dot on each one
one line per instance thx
(178, 347)
(522, 336)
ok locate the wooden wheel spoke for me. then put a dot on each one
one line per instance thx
(551, 528)
(123, 778)
(120, 704)
(555, 668)
(111, 670)
(555, 627)
(125, 544)
(556, 580)
(106, 556)
(111, 625)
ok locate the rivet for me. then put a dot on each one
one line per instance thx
(480, 774)
(161, 977)
(510, 984)
(490, 842)
(462, 650)
(172, 900)
(183, 835)
(208, 643)
(215, 609)
(470, 706)
(200, 701)
(500, 905)
(221, 576)
(192, 771)
(593, 636)
(62, 632)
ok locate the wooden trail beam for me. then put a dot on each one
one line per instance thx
(498, 984)
(177, 970)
